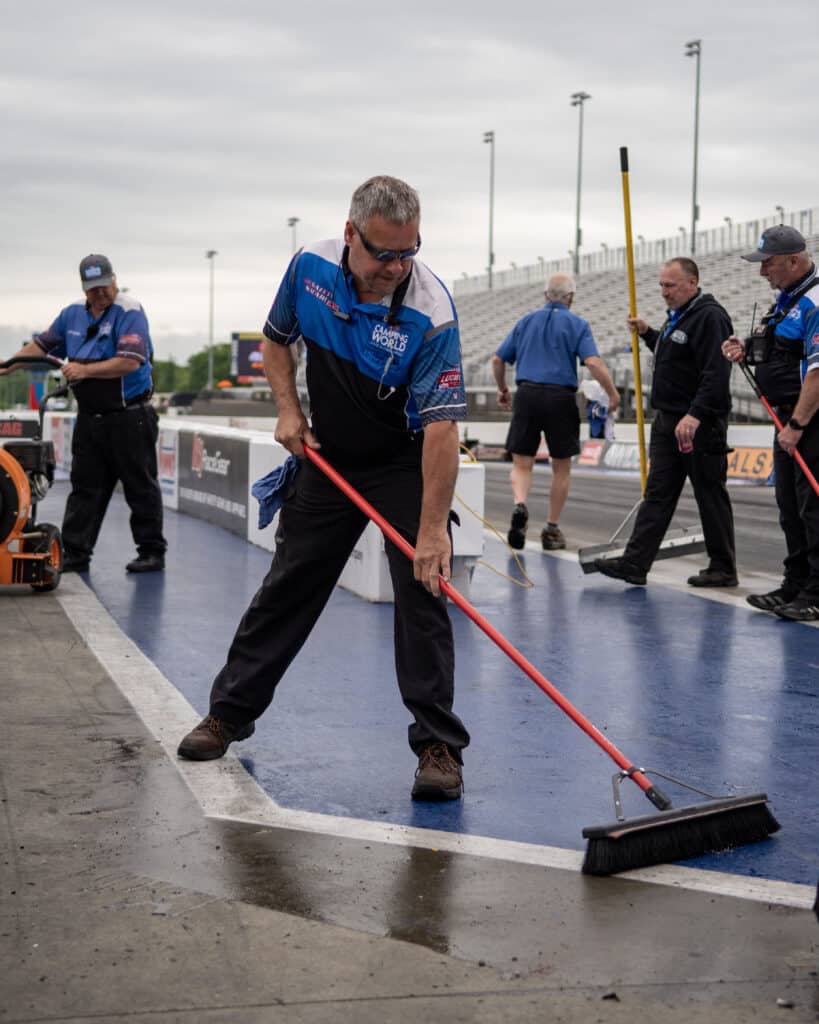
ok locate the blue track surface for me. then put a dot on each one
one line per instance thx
(718, 695)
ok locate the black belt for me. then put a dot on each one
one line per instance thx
(536, 384)
(142, 399)
(138, 401)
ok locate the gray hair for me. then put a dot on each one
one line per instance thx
(560, 287)
(387, 197)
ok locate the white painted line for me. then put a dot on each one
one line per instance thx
(224, 789)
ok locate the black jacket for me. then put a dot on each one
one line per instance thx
(691, 375)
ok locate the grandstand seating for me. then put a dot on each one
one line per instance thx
(486, 317)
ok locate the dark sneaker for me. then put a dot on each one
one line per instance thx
(211, 738)
(621, 569)
(800, 609)
(146, 563)
(75, 563)
(773, 599)
(713, 578)
(438, 776)
(552, 538)
(517, 528)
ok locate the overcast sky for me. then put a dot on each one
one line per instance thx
(153, 132)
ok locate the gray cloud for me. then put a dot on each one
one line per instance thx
(155, 133)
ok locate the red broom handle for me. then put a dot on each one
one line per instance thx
(797, 455)
(457, 598)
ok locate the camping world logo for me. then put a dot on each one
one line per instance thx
(390, 339)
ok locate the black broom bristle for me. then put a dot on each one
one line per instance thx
(678, 834)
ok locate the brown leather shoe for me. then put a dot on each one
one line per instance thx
(438, 776)
(211, 738)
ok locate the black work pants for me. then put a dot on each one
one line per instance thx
(119, 446)
(707, 468)
(318, 529)
(798, 506)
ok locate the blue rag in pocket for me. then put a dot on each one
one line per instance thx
(269, 490)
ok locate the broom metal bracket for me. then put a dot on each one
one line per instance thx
(627, 773)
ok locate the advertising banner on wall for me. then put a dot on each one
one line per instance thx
(168, 464)
(213, 471)
(246, 357)
(12, 427)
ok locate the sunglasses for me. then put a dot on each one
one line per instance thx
(388, 255)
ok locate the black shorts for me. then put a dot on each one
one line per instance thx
(549, 409)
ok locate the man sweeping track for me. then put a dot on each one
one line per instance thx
(386, 389)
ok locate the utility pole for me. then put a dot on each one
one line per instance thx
(209, 256)
(291, 223)
(578, 99)
(490, 138)
(694, 49)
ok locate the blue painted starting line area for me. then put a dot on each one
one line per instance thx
(698, 686)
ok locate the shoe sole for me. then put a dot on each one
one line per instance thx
(436, 793)
(634, 581)
(797, 617)
(197, 754)
(699, 583)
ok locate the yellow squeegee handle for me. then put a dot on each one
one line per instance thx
(632, 311)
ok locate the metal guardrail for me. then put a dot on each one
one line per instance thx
(743, 235)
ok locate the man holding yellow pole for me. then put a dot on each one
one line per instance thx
(691, 400)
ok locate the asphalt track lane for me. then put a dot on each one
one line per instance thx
(599, 502)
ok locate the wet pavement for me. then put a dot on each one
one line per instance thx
(135, 888)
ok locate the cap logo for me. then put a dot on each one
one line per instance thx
(761, 245)
(93, 272)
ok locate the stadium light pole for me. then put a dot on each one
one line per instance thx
(291, 223)
(780, 212)
(694, 49)
(209, 256)
(578, 99)
(730, 224)
(489, 137)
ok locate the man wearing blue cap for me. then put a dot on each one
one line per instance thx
(784, 350)
(106, 343)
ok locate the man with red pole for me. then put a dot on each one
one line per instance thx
(784, 350)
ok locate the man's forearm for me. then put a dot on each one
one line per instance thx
(808, 398)
(280, 370)
(108, 369)
(440, 471)
(597, 368)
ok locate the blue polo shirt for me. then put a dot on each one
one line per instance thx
(375, 380)
(122, 330)
(544, 346)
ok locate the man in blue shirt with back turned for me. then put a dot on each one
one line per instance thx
(544, 347)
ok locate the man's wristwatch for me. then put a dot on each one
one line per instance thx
(795, 424)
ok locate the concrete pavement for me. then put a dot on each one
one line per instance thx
(121, 901)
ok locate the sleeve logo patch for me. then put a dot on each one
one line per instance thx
(449, 379)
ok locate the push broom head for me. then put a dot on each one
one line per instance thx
(709, 827)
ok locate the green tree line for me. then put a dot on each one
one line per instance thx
(169, 376)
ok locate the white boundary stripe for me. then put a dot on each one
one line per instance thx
(224, 789)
